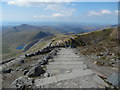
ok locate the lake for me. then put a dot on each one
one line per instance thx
(20, 47)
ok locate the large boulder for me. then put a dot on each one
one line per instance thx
(35, 71)
(22, 82)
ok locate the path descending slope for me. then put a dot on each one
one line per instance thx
(69, 71)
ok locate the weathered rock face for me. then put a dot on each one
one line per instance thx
(35, 71)
(22, 82)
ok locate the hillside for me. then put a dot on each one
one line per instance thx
(101, 46)
(23, 35)
(17, 39)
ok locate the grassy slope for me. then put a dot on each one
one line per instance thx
(101, 40)
(13, 39)
(103, 44)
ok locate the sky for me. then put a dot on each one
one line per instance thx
(84, 12)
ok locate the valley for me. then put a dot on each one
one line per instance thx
(24, 36)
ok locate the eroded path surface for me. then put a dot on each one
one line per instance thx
(69, 71)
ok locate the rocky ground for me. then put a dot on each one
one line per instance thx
(67, 69)
(18, 70)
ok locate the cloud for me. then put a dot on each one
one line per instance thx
(60, 8)
(57, 15)
(103, 12)
(62, 0)
(34, 2)
(57, 7)
(91, 13)
(41, 16)
(117, 12)
(26, 3)
(54, 15)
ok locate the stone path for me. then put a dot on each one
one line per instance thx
(69, 71)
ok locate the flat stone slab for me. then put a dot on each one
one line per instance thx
(67, 63)
(62, 77)
(67, 56)
(70, 66)
(74, 74)
(45, 81)
(67, 59)
(114, 79)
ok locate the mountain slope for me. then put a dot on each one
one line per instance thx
(16, 36)
(102, 46)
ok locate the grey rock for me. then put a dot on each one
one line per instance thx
(113, 79)
(49, 57)
(35, 71)
(18, 68)
(101, 54)
(38, 65)
(7, 70)
(33, 65)
(22, 61)
(46, 75)
(39, 60)
(44, 62)
(25, 72)
(105, 53)
(22, 82)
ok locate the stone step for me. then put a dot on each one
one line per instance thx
(66, 53)
(68, 66)
(62, 77)
(67, 59)
(67, 63)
